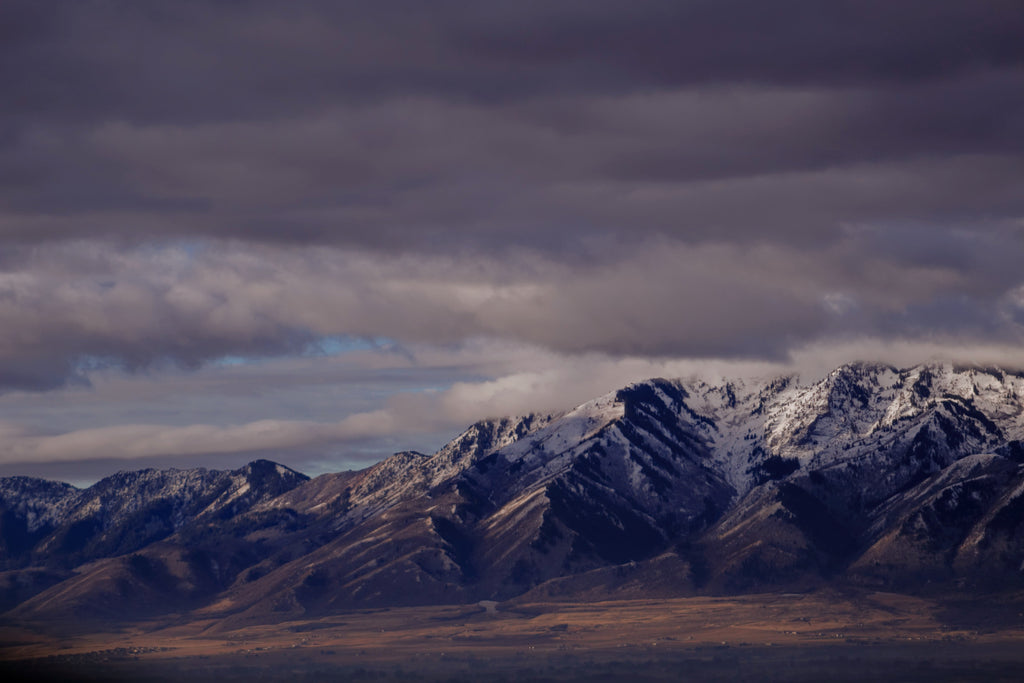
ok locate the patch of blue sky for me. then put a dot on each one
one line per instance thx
(231, 361)
(341, 344)
(432, 389)
(192, 247)
(331, 346)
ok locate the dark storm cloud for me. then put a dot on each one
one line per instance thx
(791, 42)
(421, 172)
(728, 178)
(409, 123)
(192, 60)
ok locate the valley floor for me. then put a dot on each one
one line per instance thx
(840, 636)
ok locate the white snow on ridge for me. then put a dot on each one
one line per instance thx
(576, 426)
(859, 422)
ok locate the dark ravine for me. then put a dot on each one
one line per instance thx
(908, 480)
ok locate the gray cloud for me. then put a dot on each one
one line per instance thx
(413, 126)
(200, 60)
(152, 429)
(88, 305)
(646, 181)
(424, 174)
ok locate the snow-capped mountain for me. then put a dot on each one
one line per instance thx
(125, 511)
(873, 475)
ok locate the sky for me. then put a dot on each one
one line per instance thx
(322, 231)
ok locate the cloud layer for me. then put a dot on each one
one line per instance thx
(67, 310)
(407, 126)
(641, 182)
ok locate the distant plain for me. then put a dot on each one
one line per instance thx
(855, 635)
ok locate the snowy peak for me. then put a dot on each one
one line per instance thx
(409, 474)
(39, 501)
(129, 509)
(258, 481)
(856, 412)
(482, 439)
(750, 430)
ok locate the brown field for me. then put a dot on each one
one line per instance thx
(864, 636)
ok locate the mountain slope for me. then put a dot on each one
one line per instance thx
(873, 475)
(58, 528)
(30, 509)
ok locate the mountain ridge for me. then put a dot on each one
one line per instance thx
(874, 475)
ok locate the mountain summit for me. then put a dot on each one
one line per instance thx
(876, 476)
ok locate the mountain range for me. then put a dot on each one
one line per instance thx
(899, 479)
